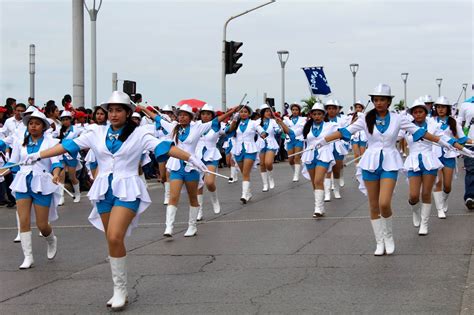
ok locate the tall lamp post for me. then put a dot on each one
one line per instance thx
(32, 70)
(93, 11)
(223, 82)
(438, 82)
(283, 55)
(404, 78)
(354, 68)
(464, 87)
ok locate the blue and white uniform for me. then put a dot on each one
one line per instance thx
(340, 148)
(448, 157)
(296, 124)
(271, 128)
(206, 149)
(245, 146)
(68, 159)
(117, 182)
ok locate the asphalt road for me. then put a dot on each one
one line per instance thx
(268, 256)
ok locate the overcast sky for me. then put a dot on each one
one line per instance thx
(172, 48)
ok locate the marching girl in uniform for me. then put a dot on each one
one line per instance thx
(381, 161)
(339, 152)
(268, 147)
(295, 123)
(208, 152)
(118, 194)
(34, 186)
(67, 132)
(358, 139)
(186, 135)
(422, 166)
(451, 128)
(227, 146)
(100, 117)
(319, 160)
(164, 135)
(51, 112)
(245, 148)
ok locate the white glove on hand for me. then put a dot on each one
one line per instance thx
(468, 152)
(32, 158)
(197, 163)
(320, 142)
(235, 117)
(443, 141)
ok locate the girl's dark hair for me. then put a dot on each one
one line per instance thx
(308, 124)
(299, 109)
(96, 109)
(262, 116)
(62, 131)
(451, 121)
(129, 125)
(176, 129)
(49, 108)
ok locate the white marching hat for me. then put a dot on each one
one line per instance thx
(248, 108)
(418, 102)
(295, 104)
(39, 115)
(136, 115)
(207, 108)
(382, 90)
(443, 100)
(332, 102)
(428, 99)
(65, 113)
(118, 97)
(167, 108)
(186, 108)
(359, 102)
(264, 106)
(318, 106)
(29, 110)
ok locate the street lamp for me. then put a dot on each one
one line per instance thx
(354, 68)
(438, 82)
(464, 87)
(283, 55)
(32, 70)
(404, 78)
(223, 90)
(93, 15)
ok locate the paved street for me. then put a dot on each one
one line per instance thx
(268, 256)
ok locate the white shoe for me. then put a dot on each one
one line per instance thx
(192, 225)
(246, 195)
(296, 175)
(416, 214)
(26, 246)
(233, 175)
(166, 198)
(77, 193)
(341, 181)
(17, 238)
(215, 202)
(378, 227)
(336, 191)
(118, 266)
(332, 181)
(445, 201)
(170, 217)
(327, 189)
(61, 199)
(439, 204)
(271, 181)
(264, 181)
(200, 199)
(318, 203)
(52, 241)
(425, 217)
(388, 235)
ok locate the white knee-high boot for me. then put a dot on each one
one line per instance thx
(271, 181)
(439, 204)
(61, 199)
(425, 217)
(166, 198)
(192, 223)
(200, 199)
(17, 238)
(215, 202)
(118, 266)
(337, 187)
(246, 194)
(327, 189)
(318, 203)
(264, 181)
(233, 174)
(388, 235)
(445, 201)
(416, 214)
(296, 175)
(170, 217)
(378, 227)
(26, 246)
(77, 193)
(52, 242)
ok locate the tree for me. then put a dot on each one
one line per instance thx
(400, 106)
(308, 103)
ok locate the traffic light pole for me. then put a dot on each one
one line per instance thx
(223, 91)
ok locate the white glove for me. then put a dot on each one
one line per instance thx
(468, 152)
(320, 142)
(197, 163)
(443, 141)
(32, 158)
(235, 117)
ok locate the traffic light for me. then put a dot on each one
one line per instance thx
(231, 57)
(129, 87)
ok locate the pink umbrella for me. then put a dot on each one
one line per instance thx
(194, 103)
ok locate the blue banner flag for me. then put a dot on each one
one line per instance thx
(317, 80)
